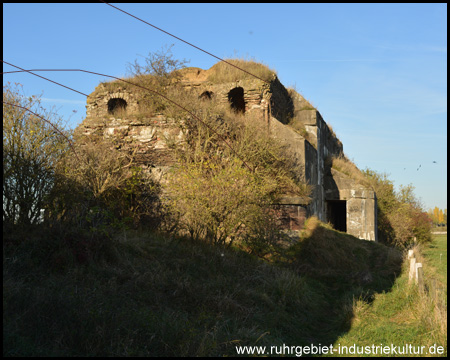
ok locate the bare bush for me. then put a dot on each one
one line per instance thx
(160, 64)
(102, 188)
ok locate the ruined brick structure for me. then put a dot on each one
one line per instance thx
(336, 198)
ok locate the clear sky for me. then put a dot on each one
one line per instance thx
(376, 72)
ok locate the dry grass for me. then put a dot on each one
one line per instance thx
(432, 306)
(223, 72)
(347, 167)
(332, 131)
(218, 73)
(299, 102)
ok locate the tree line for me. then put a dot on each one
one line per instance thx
(438, 216)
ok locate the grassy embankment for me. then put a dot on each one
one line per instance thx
(405, 315)
(154, 296)
(150, 295)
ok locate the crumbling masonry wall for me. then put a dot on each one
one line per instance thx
(115, 115)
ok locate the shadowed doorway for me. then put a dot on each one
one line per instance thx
(236, 99)
(337, 214)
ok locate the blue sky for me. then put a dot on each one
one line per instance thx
(376, 72)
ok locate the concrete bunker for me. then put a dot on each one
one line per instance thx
(236, 99)
(337, 214)
(116, 105)
(348, 205)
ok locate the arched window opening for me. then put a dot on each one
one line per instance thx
(236, 99)
(206, 95)
(116, 106)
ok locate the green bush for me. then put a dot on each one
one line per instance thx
(400, 214)
(227, 179)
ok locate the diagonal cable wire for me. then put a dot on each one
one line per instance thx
(129, 82)
(176, 37)
(57, 83)
(48, 122)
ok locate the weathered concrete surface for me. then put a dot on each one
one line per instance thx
(361, 204)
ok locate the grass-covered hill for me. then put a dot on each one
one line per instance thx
(149, 295)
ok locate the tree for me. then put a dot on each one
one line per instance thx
(441, 216)
(436, 215)
(31, 148)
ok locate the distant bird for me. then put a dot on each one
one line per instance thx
(434, 162)
(419, 167)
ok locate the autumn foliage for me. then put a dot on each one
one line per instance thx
(401, 218)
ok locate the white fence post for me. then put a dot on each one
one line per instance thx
(412, 269)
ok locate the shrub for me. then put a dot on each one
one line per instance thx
(225, 184)
(31, 148)
(101, 190)
(400, 214)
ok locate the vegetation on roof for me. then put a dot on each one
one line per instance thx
(223, 72)
(344, 165)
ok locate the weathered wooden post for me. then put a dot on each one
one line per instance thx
(410, 254)
(419, 276)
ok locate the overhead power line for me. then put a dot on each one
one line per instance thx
(29, 71)
(129, 82)
(186, 42)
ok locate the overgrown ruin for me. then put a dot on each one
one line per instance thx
(349, 205)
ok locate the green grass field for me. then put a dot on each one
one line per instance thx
(403, 315)
(436, 255)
